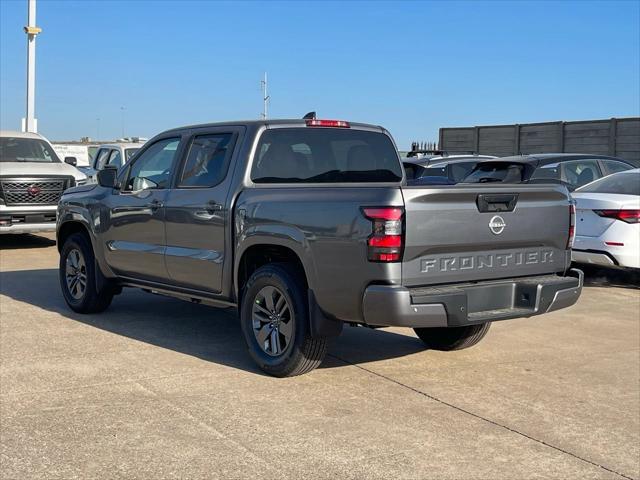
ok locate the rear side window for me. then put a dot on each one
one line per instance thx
(128, 153)
(621, 183)
(612, 166)
(207, 160)
(325, 155)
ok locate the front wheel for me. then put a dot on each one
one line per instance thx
(78, 277)
(275, 322)
(452, 338)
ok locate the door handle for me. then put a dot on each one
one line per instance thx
(156, 204)
(212, 207)
(208, 211)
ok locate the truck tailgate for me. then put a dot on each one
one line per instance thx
(477, 232)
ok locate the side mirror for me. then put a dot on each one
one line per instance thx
(108, 178)
(73, 161)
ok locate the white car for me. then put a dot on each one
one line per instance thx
(608, 221)
(32, 179)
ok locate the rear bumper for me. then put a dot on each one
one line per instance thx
(472, 303)
(593, 258)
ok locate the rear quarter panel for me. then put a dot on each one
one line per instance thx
(326, 229)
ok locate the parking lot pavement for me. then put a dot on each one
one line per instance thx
(159, 388)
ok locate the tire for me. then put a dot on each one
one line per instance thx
(452, 338)
(77, 261)
(276, 353)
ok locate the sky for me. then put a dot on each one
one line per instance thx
(413, 67)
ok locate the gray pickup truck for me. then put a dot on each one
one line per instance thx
(304, 225)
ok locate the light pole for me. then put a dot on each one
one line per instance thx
(30, 124)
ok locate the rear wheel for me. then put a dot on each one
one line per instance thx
(77, 273)
(275, 322)
(452, 338)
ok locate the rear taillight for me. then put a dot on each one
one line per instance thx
(628, 216)
(327, 123)
(386, 240)
(572, 226)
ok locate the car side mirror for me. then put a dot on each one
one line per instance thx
(73, 161)
(108, 178)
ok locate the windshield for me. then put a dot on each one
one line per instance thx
(26, 150)
(503, 172)
(619, 183)
(128, 153)
(456, 171)
(325, 155)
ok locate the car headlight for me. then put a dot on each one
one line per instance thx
(81, 181)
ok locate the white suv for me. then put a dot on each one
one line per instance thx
(32, 179)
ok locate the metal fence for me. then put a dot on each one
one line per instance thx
(618, 137)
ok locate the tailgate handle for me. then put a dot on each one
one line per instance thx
(497, 203)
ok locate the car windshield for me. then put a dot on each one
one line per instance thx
(128, 153)
(503, 172)
(623, 183)
(456, 171)
(18, 149)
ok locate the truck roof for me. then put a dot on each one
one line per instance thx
(294, 122)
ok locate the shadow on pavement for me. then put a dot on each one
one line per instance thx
(12, 241)
(204, 332)
(609, 277)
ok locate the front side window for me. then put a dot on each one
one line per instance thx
(580, 172)
(115, 159)
(152, 169)
(325, 155)
(101, 158)
(18, 149)
(207, 161)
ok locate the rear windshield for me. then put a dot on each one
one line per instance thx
(622, 183)
(26, 150)
(503, 172)
(325, 155)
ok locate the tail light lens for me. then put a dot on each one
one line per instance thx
(628, 216)
(572, 226)
(386, 241)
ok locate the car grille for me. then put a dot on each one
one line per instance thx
(33, 191)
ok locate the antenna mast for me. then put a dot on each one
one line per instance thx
(265, 97)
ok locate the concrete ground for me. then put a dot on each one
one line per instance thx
(158, 388)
